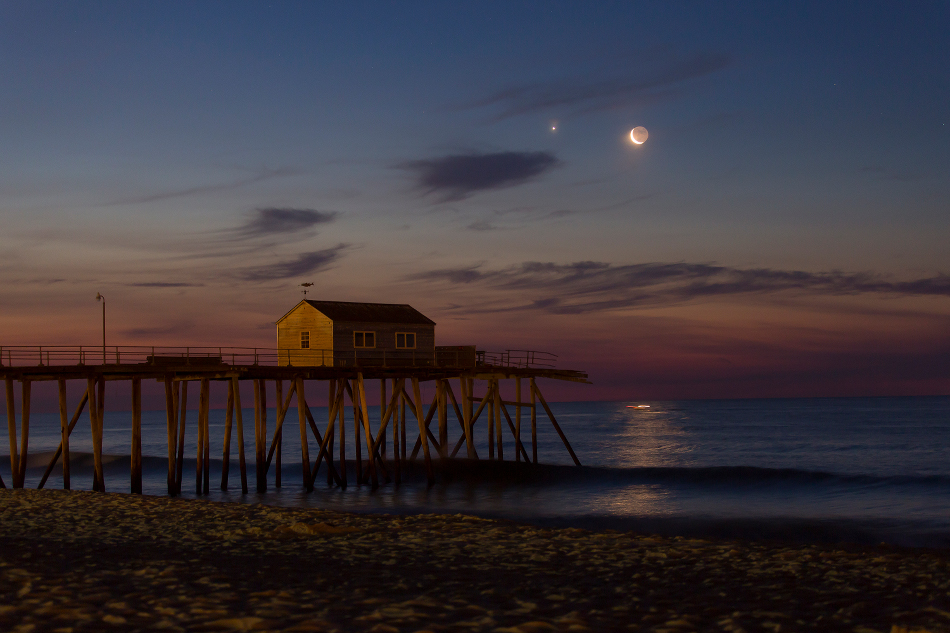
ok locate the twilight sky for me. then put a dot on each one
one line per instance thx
(783, 232)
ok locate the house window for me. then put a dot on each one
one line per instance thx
(364, 339)
(405, 340)
(305, 340)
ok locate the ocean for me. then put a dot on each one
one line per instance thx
(860, 470)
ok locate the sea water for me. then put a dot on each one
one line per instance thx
(862, 470)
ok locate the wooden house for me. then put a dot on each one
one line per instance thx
(347, 334)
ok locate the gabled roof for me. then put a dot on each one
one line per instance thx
(348, 311)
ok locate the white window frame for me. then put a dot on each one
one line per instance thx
(364, 345)
(305, 340)
(405, 335)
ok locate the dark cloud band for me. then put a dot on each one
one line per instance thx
(595, 286)
(458, 176)
(304, 264)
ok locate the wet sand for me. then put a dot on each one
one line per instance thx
(82, 561)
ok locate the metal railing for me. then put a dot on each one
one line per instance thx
(461, 356)
(523, 358)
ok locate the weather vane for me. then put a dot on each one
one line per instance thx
(305, 285)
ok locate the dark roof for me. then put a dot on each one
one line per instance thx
(371, 312)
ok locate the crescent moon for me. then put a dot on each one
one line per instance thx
(638, 135)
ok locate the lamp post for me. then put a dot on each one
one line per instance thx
(99, 297)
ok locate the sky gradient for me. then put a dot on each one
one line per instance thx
(782, 232)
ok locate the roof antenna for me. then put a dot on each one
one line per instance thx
(305, 285)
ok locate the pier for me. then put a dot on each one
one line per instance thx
(468, 388)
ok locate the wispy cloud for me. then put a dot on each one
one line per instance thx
(596, 286)
(303, 264)
(140, 332)
(649, 81)
(263, 175)
(164, 284)
(275, 221)
(458, 176)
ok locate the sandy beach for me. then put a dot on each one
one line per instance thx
(82, 561)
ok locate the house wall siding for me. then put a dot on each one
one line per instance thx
(305, 319)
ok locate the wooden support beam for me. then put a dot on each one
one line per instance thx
(11, 427)
(64, 438)
(136, 484)
(534, 422)
(101, 409)
(491, 419)
(281, 414)
(260, 431)
(236, 387)
(557, 427)
(182, 417)
(441, 399)
(93, 421)
(304, 441)
(517, 430)
(497, 413)
(226, 451)
(357, 423)
(519, 449)
(361, 387)
(279, 432)
(397, 401)
(203, 467)
(382, 400)
(402, 424)
(326, 442)
(27, 396)
(70, 425)
(430, 476)
(171, 413)
(463, 418)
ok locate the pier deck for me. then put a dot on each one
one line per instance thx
(345, 379)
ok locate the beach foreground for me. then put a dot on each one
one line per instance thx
(81, 561)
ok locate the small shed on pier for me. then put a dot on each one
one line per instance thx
(346, 334)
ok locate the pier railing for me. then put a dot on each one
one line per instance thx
(457, 356)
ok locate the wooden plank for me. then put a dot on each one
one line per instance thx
(136, 484)
(341, 414)
(430, 476)
(239, 413)
(226, 451)
(304, 440)
(11, 427)
(171, 421)
(557, 427)
(402, 423)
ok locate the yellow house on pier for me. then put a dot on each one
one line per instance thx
(348, 334)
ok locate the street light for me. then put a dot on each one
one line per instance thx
(99, 297)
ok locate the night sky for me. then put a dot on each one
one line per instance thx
(782, 232)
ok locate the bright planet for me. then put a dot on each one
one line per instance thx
(639, 134)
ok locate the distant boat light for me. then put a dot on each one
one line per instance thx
(638, 406)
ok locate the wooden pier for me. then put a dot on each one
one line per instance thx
(468, 393)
